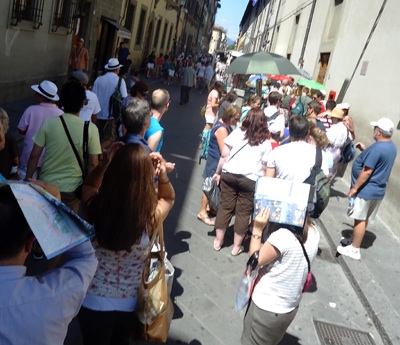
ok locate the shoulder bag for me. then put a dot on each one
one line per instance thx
(155, 308)
(308, 281)
(85, 150)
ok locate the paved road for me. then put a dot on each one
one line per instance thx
(360, 295)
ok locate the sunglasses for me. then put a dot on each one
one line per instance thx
(144, 94)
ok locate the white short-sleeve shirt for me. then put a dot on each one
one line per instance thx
(279, 289)
(247, 161)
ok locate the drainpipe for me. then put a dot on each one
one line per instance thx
(303, 49)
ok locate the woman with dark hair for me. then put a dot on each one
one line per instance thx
(219, 132)
(238, 170)
(226, 102)
(213, 104)
(124, 216)
(283, 270)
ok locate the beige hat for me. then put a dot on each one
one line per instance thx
(337, 113)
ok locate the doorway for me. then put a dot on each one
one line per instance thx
(148, 41)
(324, 60)
(104, 47)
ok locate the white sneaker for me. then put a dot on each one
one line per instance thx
(346, 241)
(350, 251)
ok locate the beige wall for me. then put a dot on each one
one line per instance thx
(343, 33)
(153, 16)
(30, 55)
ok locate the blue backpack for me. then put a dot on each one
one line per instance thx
(299, 109)
(348, 151)
(205, 144)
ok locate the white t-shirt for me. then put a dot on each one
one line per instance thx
(93, 106)
(247, 161)
(293, 161)
(104, 87)
(200, 71)
(209, 72)
(280, 288)
(337, 134)
(279, 121)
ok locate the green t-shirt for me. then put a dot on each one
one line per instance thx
(60, 166)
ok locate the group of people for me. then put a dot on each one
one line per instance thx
(246, 144)
(121, 188)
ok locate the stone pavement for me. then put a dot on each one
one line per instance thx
(360, 295)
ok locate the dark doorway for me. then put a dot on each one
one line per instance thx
(104, 47)
(148, 41)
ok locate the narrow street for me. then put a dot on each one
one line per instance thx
(358, 295)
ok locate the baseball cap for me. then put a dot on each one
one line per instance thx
(384, 124)
(343, 105)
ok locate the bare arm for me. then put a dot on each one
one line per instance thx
(154, 139)
(33, 161)
(221, 133)
(362, 178)
(214, 102)
(270, 172)
(226, 151)
(94, 178)
(166, 193)
(92, 163)
(267, 252)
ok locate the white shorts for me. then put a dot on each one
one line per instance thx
(171, 72)
(150, 65)
(365, 209)
(210, 119)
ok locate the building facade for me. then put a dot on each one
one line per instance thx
(39, 35)
(218, 40)
(351, 54)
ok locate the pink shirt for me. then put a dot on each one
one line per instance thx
(31, 120)
(209, 109)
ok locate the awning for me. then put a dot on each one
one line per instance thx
(122, 31)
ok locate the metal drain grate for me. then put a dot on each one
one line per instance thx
(330, 334)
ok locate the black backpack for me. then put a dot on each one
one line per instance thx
(321, 185)
(115, 103)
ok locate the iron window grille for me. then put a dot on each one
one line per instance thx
(30, 10)
(64, 15)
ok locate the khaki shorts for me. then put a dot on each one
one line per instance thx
(365, 209)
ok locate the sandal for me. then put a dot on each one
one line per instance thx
(238, 252)
(206, 220)
(217, 248)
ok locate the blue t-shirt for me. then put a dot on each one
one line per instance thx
(213, 149)
(154, 128)
(380, 157)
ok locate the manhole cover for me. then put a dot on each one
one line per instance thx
(330, 334)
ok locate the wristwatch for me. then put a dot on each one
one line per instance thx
(255, 236)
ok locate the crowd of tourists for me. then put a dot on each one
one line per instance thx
(103, 161)
(286, 133)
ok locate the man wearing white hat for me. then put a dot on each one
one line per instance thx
(369, 177)
(33, 117)
(104, 87)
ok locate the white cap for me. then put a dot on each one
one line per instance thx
(343, 105)
(384, 124)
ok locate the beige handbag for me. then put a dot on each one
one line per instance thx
(155, 308)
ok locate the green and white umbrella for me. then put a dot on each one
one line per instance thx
(262, 63)
(312, 84)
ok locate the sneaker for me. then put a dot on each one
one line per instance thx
(350, 251)
(346, 241)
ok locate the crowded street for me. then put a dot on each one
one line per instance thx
(358, 295)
